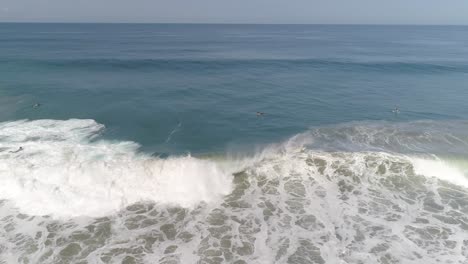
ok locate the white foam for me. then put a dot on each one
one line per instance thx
(292, 194)
(62, 172)
(440, 169)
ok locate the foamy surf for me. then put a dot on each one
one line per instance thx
(62, 172)
(306, 200)
(440, 169)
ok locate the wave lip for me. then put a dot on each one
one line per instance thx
(62, 172)
(440, 169)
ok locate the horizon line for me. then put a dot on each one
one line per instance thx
(224, 23)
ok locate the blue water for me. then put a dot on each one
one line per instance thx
(142, 80)
(146, 146)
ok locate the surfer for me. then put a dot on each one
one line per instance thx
(36, 105)
(260, 114)
(18, 150)
(396, 110)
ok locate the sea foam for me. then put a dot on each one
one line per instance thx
(63, 172)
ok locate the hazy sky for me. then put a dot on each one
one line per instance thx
(239, 11)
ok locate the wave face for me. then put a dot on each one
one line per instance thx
(62, 172)
(354, 193)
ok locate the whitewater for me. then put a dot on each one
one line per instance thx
(360, 192)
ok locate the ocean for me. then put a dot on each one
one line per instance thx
(141, 143)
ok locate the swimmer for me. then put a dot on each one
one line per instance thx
(18, 150)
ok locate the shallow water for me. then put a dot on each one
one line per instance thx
(146, 147)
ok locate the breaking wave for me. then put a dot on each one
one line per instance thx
(61, 171)
(354, 193)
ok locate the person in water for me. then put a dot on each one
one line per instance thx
(396, 110)
(260, 114)
(18, 150)
(36, 105)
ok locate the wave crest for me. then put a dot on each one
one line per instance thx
(61, 171)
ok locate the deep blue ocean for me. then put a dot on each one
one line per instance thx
(141, 143)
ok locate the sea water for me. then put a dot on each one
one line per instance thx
(141, 143)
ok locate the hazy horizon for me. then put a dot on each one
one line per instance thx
(226, 23)
(341, 12)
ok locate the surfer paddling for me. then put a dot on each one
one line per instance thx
(18, 150)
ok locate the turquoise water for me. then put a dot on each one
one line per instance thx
(146, 146)
(141, 81)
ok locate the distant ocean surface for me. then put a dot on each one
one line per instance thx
(141, 143)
